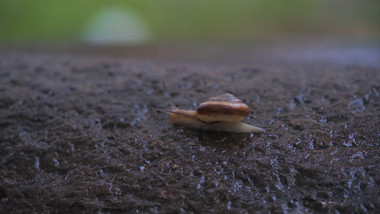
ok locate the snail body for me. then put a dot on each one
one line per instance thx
(221, 113)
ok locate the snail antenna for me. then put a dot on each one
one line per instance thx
(170, 97)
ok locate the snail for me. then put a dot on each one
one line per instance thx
(221, 113)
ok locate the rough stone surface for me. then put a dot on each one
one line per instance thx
(79, 133)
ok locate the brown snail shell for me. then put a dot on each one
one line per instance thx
(221, 113)
(225, 107)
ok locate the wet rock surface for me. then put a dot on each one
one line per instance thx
(78, 131)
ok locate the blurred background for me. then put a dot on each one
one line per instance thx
(24, 22)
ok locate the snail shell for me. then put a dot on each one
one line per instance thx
(225, 107)
(220, 113)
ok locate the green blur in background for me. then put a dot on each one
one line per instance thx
(135, 22)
